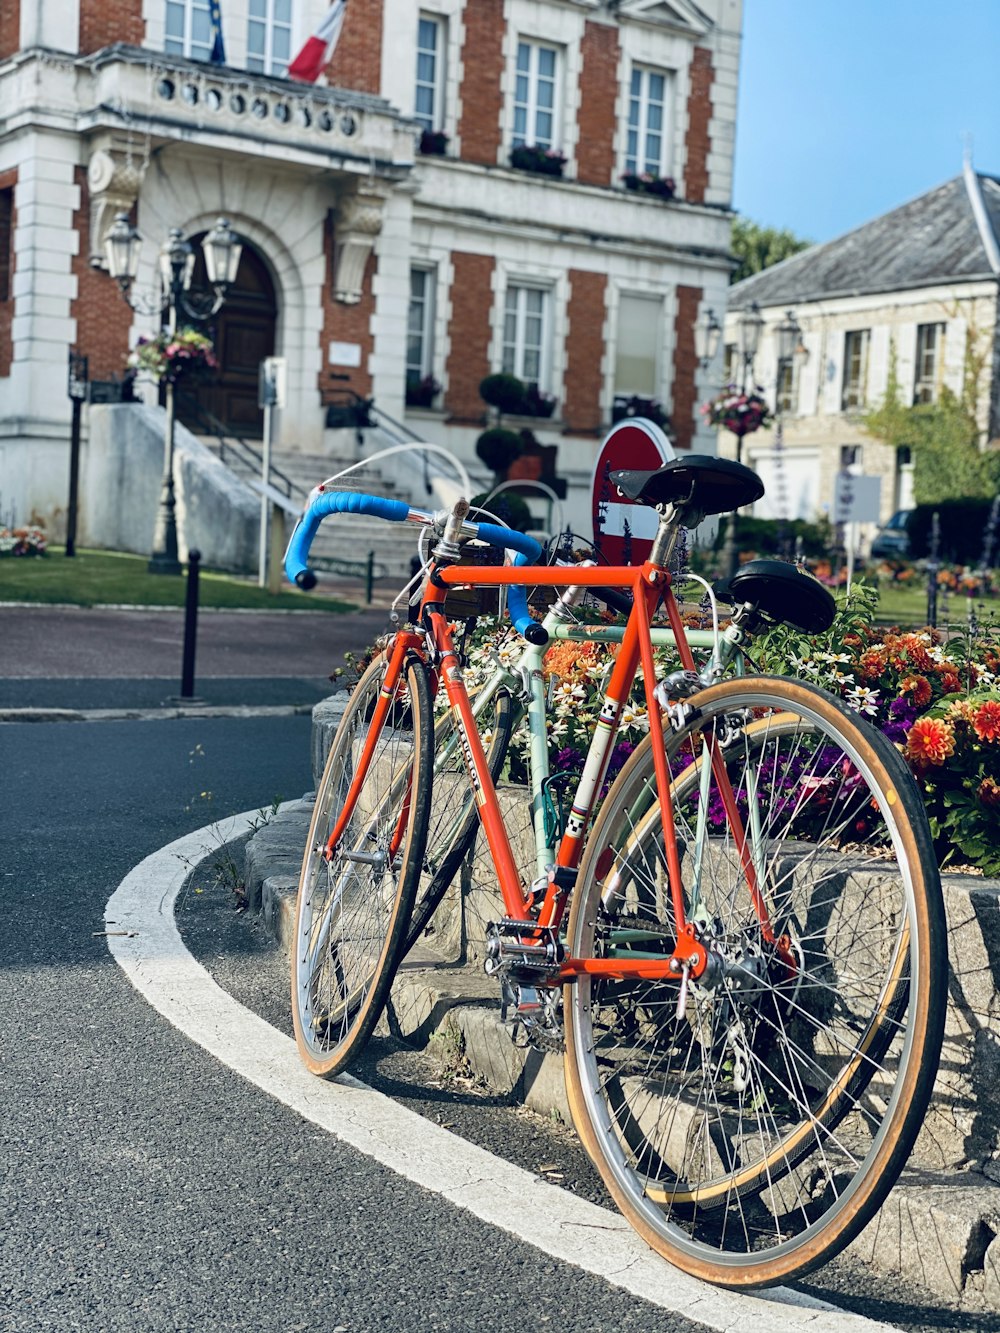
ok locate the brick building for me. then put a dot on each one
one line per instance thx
(372, 258)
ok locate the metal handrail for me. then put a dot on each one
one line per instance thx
(246, 452)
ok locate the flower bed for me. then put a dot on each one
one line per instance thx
(23, 541)
(936, 698)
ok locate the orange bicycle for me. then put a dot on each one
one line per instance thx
(743, 953)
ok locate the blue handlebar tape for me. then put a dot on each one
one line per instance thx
(377, 506)
(528, 552)
(335, 502)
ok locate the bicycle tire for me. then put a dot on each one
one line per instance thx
(351, 913)
(453, 817)
(737, 1140)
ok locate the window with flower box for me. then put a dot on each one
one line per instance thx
(855, 370)
(189, 29)
(420, 337)
(536, 96)
(269, 36)
(526, 333)
(647, 137)
(930, 340)
(428, 107)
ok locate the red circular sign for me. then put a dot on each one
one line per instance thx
(623, 530)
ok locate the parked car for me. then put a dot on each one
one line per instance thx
(892, 540)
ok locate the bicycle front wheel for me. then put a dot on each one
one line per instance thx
(354, 899)
(751, 1130)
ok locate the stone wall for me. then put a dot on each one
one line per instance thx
(120, 489)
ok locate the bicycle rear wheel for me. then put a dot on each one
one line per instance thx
(453, 818)
(354, 902)
(752, 1136)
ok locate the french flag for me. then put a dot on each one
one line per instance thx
(314, 57)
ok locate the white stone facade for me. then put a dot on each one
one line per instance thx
(186, 158)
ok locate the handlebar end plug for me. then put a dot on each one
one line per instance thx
(305, 579)
(537, 634)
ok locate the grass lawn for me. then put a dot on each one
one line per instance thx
(906, 604)
(95, 577)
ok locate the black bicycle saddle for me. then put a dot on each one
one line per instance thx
(782, 592)
(711, 485)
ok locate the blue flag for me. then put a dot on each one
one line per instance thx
(218, 56)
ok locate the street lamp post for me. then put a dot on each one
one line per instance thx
(749, 328)
(789, 342)
(222, 249)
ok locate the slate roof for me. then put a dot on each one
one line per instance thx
(930, 240)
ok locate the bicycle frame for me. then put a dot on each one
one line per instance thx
(649, 584)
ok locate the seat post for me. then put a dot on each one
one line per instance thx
(667, 534)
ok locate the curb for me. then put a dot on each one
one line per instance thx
(171, 713)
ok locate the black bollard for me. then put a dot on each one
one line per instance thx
(190, 626)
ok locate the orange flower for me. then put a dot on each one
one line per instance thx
(919, 687)
(872, 663)
(930, 741)
(950, 682)
(986, 721)
(916, 652)
(989, 792)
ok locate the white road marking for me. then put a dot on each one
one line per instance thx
(148, 947)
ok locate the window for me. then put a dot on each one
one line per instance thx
(786, 386)
(526, 334)
(855, 370)
(420, 326)
(636, 359)
(189, 29)
(429, 108)
(535, 96)
(6, 241)
(269, 36)
(646, 147)
(930, 340)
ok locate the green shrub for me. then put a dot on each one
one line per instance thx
(498, 448)
(767, 537)
(504, 392)
(508, 507)
(962, 529)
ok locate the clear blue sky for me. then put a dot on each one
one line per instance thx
(850, 107)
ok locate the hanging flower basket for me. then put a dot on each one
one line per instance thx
(169, 357)
(644, 182)
(738, 410)
(545, 161)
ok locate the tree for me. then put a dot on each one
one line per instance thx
(757, 247)
(943, 437)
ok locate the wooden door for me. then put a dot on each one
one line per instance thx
(244, 334)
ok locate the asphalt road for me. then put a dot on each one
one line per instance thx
(144, 1186)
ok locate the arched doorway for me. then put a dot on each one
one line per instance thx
(244, 334)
